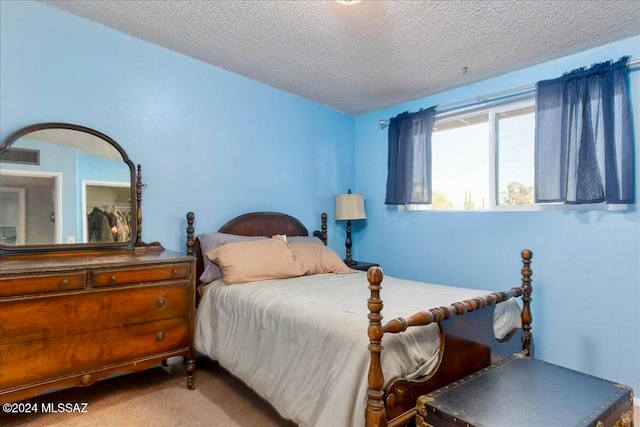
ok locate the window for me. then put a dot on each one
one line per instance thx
(515, 139)
(460, 166)
(483, 159)
(574, 148)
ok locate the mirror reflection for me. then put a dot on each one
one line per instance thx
(64, 186)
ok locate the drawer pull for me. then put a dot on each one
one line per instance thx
(174, 272)
(159, 336)
(112, 279)
(85, 379)
(64, 283)
(161, 302)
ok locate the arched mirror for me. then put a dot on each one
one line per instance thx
(65, 186)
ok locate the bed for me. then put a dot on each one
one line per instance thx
(298, 338)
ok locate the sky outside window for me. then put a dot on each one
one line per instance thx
(460, 163)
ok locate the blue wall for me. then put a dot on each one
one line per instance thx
(219, 144)
(209, 141)
(586, 308)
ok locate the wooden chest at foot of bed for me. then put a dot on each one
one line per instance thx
(521, 391)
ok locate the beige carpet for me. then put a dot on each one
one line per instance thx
(159, 397)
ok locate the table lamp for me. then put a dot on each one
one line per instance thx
(349, 207)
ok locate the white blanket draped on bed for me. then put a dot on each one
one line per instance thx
(301, 343)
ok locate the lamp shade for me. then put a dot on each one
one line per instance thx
(350, 206)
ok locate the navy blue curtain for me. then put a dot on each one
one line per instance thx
(584, 138)
(409, 162)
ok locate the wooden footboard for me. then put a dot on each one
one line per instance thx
(461, 353)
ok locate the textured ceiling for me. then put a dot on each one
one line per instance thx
(373, 54)
(85, 143)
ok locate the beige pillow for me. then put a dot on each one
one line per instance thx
(210, 241)
(243, 262)
(318, 259)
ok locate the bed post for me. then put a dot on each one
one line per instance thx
(376, 415)
(323, 218)
(322, 235)
(527, 337)
(190, 218)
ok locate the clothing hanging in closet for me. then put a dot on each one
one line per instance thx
(109, 225)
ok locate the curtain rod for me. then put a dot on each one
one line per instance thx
(481, 99)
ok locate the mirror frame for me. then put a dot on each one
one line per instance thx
(135, 191)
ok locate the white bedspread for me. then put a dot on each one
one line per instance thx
(301, 343)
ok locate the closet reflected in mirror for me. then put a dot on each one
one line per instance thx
(108, 209)
(64, 184)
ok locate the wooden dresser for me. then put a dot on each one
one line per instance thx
(73, 318)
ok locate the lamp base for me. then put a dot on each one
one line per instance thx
(348, 260)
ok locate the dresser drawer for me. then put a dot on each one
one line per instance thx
(45, 317)
(36, 284)
(127, 276)
(41, 360)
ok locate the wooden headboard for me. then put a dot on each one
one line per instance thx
(253, 224)
(264, 224)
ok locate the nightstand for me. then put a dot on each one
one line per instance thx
(363, 266)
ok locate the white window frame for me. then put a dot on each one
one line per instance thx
(493, 109)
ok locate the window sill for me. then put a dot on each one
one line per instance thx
(541, 207)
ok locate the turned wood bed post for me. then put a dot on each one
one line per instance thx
(190, 360)
(190, 242)
(323, 233)
(376, 415)
(527, 337)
